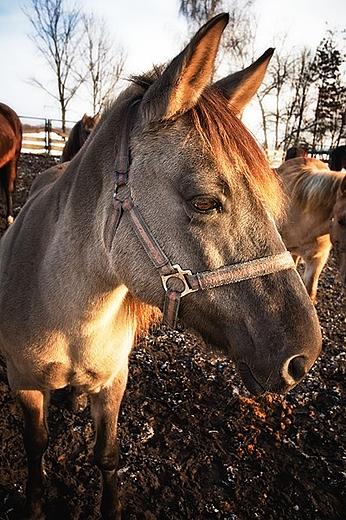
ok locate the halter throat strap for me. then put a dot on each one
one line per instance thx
(177, 282)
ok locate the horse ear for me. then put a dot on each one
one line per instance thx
(181, 84)
(239, 88)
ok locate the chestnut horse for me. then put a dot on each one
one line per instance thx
(10, 147)
(312, 192)
(77, 137)
(169, 207)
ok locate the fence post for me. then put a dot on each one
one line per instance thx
(47, 130)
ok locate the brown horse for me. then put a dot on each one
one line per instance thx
(171, 207)
(312, 191)
(10, 147)
(78, 136)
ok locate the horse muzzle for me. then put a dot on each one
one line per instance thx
(292, 372)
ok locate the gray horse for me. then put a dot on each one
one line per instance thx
(170, 206)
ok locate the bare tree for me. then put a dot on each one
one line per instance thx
(57, 36)
(272, 98)
(104, 61)
(197, 12)
(237, 43)
(238, 46)
(331, 98)
(300, 100)
(287, 99)
(261, 96)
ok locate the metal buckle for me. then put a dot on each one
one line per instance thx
(180, 274)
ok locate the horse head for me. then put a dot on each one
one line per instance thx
(89, 122)
(204, 188)
(295, 151)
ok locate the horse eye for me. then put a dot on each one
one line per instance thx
(205, 204)
(341, 221)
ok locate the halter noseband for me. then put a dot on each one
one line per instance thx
(177, 282)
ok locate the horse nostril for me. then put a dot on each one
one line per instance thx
(297, 367)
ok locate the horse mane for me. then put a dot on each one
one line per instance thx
(311, 184)
(227, 139)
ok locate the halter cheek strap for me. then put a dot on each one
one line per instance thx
(177, 282)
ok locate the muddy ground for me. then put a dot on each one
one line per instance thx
(194, 444)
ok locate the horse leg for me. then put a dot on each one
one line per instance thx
(34, 404)
(105, 407)
(314, 266)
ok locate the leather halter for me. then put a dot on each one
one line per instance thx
(177, 282)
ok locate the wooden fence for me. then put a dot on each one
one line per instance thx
(41, 137)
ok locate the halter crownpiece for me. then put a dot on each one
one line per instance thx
(177, 282)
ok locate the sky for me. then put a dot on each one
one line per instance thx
(151, 32)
